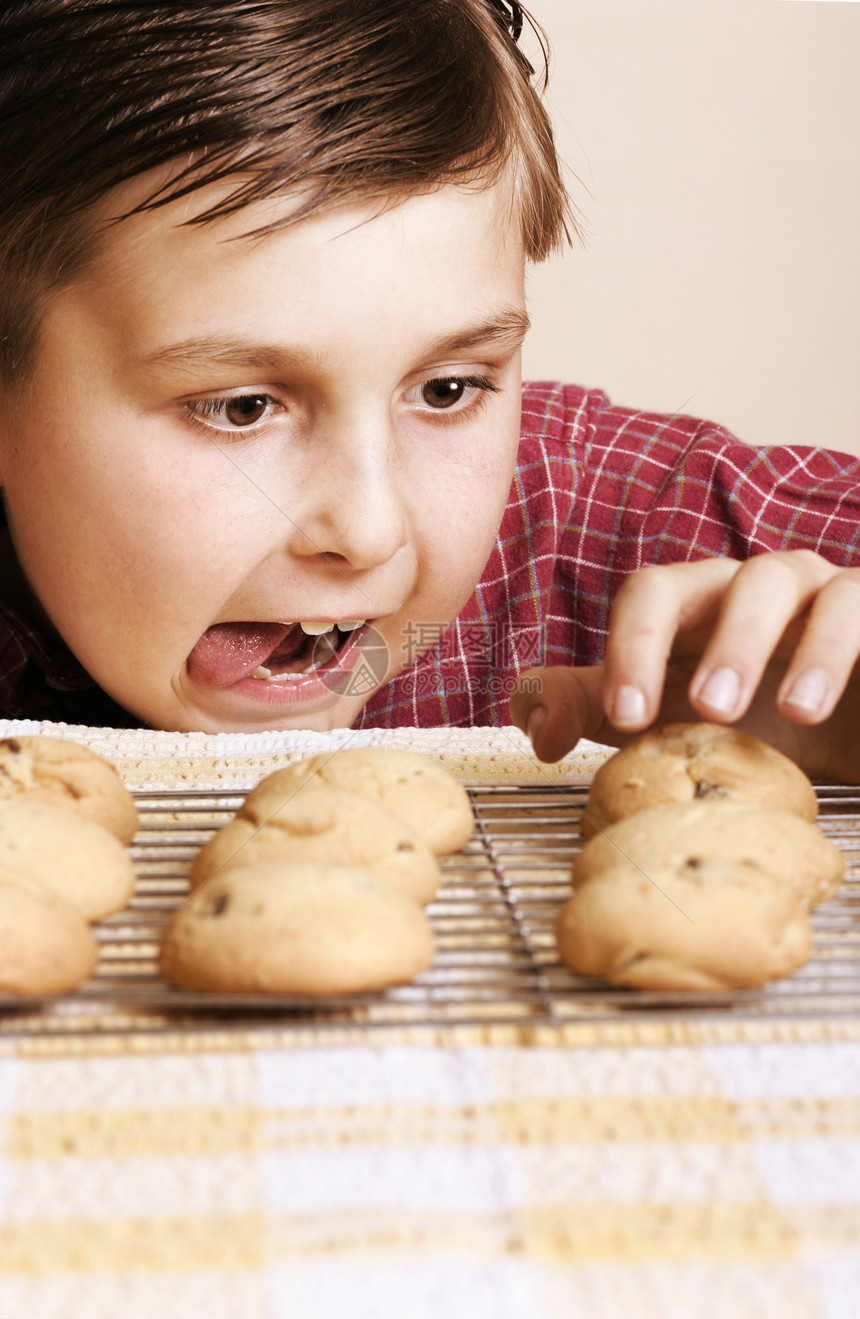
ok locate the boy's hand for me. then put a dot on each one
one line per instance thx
(770, 644)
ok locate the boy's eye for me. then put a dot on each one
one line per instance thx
(447, 391)
(443, 393)
(231, 412)
(244, 411)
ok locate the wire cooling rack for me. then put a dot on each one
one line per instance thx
(496, 960)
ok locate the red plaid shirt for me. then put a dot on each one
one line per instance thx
(598, 492)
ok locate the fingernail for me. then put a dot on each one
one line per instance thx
(808, 691)
(534, 722)
(721, 691)
(628, 707)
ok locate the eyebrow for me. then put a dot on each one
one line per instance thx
(509, 325)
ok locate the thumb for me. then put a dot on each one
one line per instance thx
(557, 706)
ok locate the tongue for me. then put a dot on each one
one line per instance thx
(230, 651)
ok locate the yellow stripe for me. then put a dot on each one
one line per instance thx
(126, 1036)
(222, 1243)
(657, 1233)
(836, 1226)
(117, 1133)
(574, 1234)
(676, 1119)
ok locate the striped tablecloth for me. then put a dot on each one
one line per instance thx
(694, 1168)
(338, 1182)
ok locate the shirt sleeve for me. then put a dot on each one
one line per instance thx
(676, 488)
(655, 489)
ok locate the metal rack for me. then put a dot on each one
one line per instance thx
(496, 961)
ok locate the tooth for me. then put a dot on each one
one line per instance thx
(261, 672)
(314, 627)
(299, 673)
(350, 624)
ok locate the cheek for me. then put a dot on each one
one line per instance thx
(112, 516)
(465, 499)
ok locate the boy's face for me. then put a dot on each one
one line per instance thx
(221, 438)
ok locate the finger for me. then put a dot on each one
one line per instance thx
(557, 706)
(826, 654)
(652, 607)
(766, 594)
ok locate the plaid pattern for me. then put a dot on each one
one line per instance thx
(668, 1180)
(598, 492)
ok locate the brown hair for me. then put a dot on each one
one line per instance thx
(357, 97)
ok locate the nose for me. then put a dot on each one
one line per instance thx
(352, 505)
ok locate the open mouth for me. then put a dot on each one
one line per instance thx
(270, 652)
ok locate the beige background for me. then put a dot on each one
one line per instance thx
(715, 146)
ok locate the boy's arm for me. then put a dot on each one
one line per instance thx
(771, 644)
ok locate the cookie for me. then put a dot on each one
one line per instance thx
(69, 855)
(795, 852)
(720, 930)
(64, 773)
(416, 788)
(695, 762)
(46, 946)
(326, 826)
(303, 929)
(695, 897)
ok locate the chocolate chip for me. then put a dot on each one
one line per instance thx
(220, 905)
(705, 789)
(13, 745)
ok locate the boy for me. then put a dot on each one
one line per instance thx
(262, 307)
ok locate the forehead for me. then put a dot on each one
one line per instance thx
(120, 221)
(432, 260)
